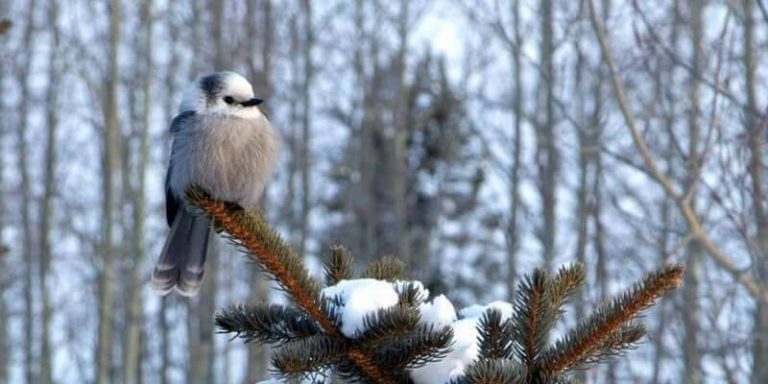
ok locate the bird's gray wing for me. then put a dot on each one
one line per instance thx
(181, 263)
(173, 202)
(182, 120)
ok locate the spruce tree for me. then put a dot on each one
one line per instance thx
(310, 338)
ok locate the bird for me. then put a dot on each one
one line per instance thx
(224, 144)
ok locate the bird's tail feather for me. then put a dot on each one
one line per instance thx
(182, 261)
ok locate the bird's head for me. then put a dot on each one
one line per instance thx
(225, 93)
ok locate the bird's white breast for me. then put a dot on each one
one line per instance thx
(232, 158)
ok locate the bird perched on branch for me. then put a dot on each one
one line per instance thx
(223, 144)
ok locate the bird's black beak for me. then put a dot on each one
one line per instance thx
(252, 102)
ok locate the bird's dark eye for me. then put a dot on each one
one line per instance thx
(229, 100)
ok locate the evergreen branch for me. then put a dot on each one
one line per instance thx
(351, 373)
(563, 380)
(315, 353)
(265, 247)
(339, 266)
(330, 307)
(494, 336)
(386, 325)
(533, 318)
(410, 295)
(306, 355)
(386, 268)
(422, 346)
(348, 372)
(265, 323)
(564, 284)
(370, 366)
(617, 343)
(594, 332)
(392, 342)
(494, 371)
(626, 337)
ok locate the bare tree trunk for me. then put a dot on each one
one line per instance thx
(258, 364)
(662, 77)
(25, 202)
(257, 368)
(306, 132)
(401, 134)
(46, 208)
(583, 190)
(582, 213)
(546, 149)
(169, 108)
(598, 237)
(756, 130)
(594, 143)
(203, 358)
(111, 169)
(692, 313)
(513, 235)
(291, 137)
(370, 242)
(135, 312)
(589, 192)
(165, 329)
(659, 348)
(5, 348)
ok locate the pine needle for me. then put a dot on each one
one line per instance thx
(426, 344)
(494, 336)
(564, 284)
(533, 318)
(495, 371)
(596, 331)
(387, 325)
(387, 268)
(265, 323)
(339, 265)
(307, 355)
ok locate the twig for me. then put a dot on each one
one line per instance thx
(676, 60)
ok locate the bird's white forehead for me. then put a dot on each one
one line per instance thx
(236, 84)
(206, 89)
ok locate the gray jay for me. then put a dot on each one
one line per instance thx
(224, 144)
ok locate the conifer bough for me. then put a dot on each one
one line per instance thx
(402, 338)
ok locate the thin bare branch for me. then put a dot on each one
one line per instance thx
(694, 224)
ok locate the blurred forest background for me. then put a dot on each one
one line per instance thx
(474, 139)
